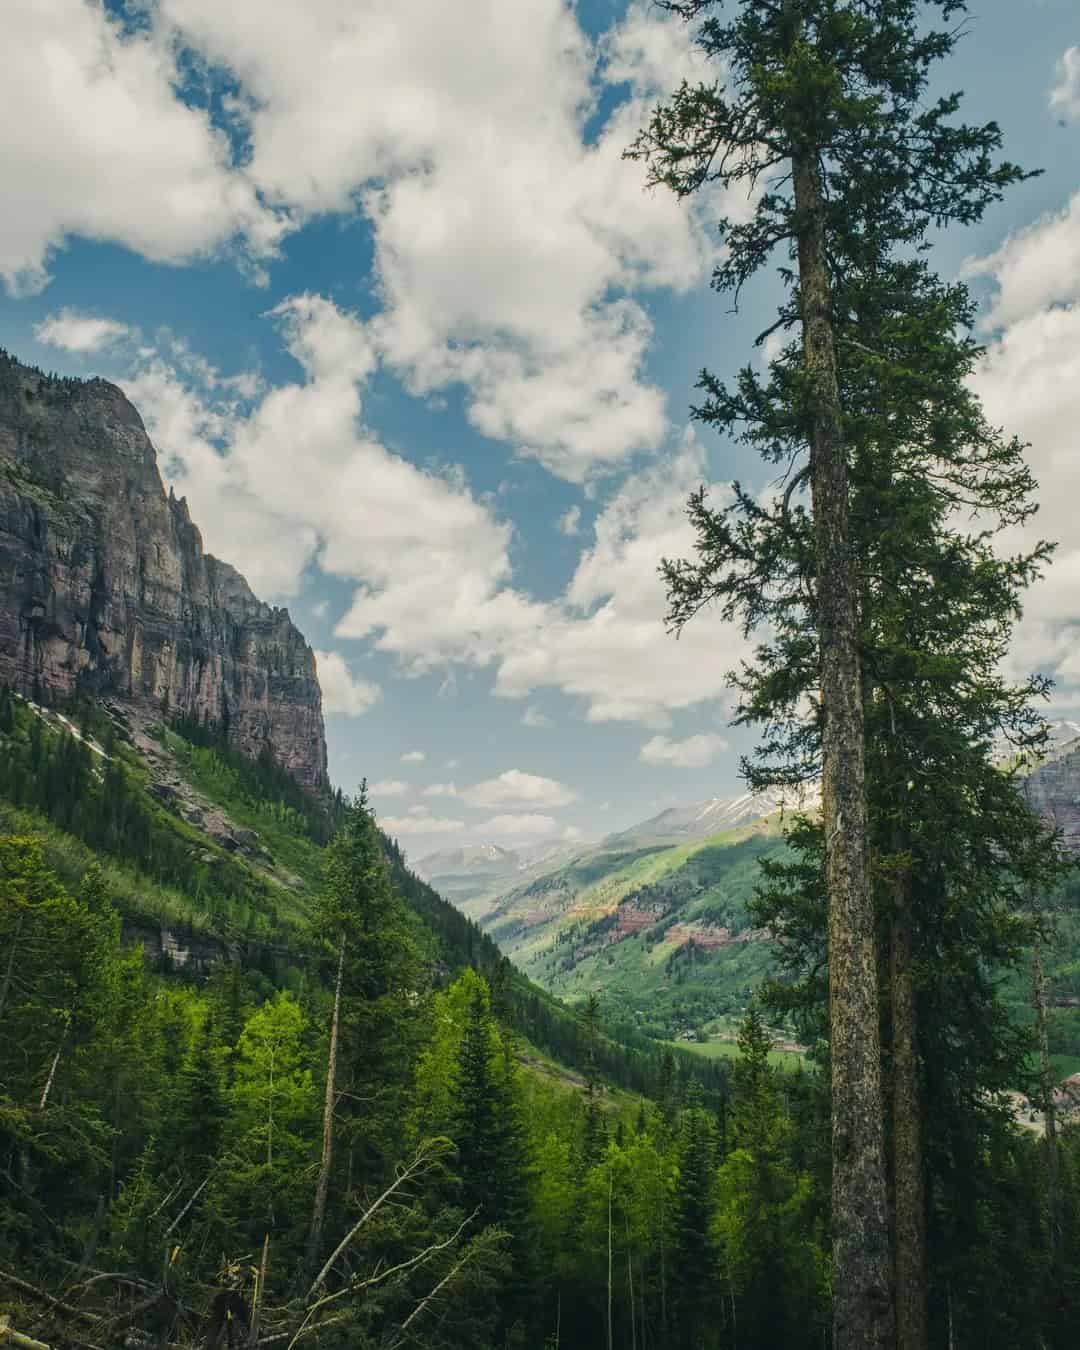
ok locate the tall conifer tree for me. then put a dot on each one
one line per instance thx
(823, 113)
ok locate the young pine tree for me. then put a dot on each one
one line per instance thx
(365, 948)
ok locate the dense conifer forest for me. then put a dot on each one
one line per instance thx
(493, 1169)
(261, 1085)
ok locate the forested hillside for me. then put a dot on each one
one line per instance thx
(663, 932)
(668, 934)
(796, 1069)
(488, 1175)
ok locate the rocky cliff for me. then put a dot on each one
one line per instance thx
(105, 588)
(1053, 790)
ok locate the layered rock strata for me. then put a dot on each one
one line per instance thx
(105, 587)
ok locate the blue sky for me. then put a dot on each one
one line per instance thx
(418, 348)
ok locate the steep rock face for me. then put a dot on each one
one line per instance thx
(105, 588)
(1053, 790)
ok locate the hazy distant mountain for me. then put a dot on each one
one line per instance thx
(699, 821)
(471, 870)
(468, 858)
(1063, 734)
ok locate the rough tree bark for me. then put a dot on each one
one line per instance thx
(609, 1326)
(322, 1187)
(909, 1202)
(1046, 1085)
(862, 1311)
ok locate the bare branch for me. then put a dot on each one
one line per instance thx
(427, 1157)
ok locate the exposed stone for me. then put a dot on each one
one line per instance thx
(1053, 790)
(105, 587)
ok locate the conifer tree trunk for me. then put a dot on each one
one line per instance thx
(47, 1090)
(322, 1187)
(909, 1256)
(862, 1317)
(1046, 1083)
(6, 986)
(610, 1185)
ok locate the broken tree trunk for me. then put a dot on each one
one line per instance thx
(322, 1187)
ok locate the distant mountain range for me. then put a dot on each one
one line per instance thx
(470, 871)
(703, 819)
(654, 916)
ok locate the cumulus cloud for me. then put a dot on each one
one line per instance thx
(1029, 383)
(469, 190)
(692, 753)
(516, 788)
(342, 691)
(420, 824)
(388, 787)
(429, 561)
(80, 333)
(413, 757)
(440, 790)
(569, 523)
(533, 717)
(107, 149)
(530, 825)
(1036, 267)
(1065, 95)
(606, 643)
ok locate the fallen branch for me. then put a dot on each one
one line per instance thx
(9, 1337)
(284, 1335)
(53, 1302)
(195, 1197)
(427, 1156)
(355, 1286)
(433, 1294)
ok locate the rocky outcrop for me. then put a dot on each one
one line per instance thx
(1053, 791)
(105, 587)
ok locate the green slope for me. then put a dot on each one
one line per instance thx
(645, 929)
(661, 932)
(209, 855)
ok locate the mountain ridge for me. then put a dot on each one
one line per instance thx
(106, 589)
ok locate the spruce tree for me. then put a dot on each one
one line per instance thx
(823, 111)
(952, 843)
(366, 952)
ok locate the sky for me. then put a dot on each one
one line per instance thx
(419, 348)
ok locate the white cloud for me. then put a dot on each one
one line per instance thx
(1065, 95)
(515, 788)
(440, 790)
(413, 757)
(342, 691)
(1029, 383)
(569, 523)
(533, 717)
(412, 824)
(692, 753)
(469, 160)
(606, 643)
(75, 332)
(102, 145)
(388, 787)
(530, 825)
(431, 562)
(1036, 267)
